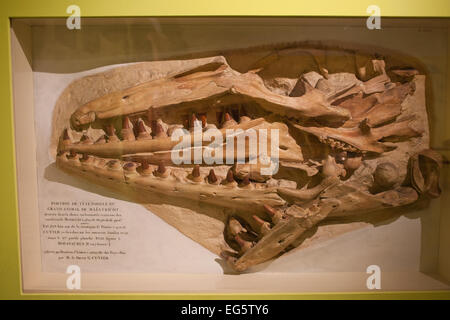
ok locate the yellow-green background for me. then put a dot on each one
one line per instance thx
(10, 285)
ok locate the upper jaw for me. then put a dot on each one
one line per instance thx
(201, 91)
(214, 89)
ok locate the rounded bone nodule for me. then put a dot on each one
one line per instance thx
(386, 175)
(212, 178)
(114, 165)
(332, 169)
(129, 166)
(352, 163)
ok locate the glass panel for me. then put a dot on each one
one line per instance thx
(329, 143)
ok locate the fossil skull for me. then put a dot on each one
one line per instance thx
(335, 133)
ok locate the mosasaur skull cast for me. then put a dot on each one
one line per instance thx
(339, 141)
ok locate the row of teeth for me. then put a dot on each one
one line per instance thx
(336, 144)
(241, 238)
(156, 129)
(244, 239)
(161, 170)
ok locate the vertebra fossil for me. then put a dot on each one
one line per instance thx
(351, 141)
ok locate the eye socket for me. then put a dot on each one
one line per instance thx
(341, 157)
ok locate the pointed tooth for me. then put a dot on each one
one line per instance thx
(110, 130)
(127, 131)
(195, 174)
(85, 139)
(264, 226)
(142, 131)
(145, 165)
(141, 127)
(275, 215)
(229, 121)
(87, 159)
(159, 131)
(162, 168)
(66, 134)
(203, 120)
(111, 133)
(212, 178)
(151, 118)
(230, 176)
(126, 123)
(145, 169)
(162, 171)
(185, 121)
(245, 245)
(193, 121)
(66, 138)
(228, 117)
(245, 181)
(235, 227)
(196, 171)
(258, 220)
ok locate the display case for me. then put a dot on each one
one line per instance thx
(355, 201)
